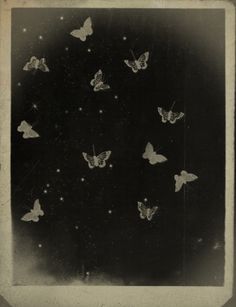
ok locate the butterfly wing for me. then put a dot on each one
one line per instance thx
(32, 64)
(30, 134)
(188, 177)
(42, 65)
(89, 159)
(175, 116)
(88, 26)
(24, 126)
(30, 216)
(148, 151)
(142, 209)
(151, 212)
(178, 182)
(37, 208)
(132, 65)
(164, 114)
(97, 78)
(160, 158)
(102, 157)
(101, 87)
(143, 60)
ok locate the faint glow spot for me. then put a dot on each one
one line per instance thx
(145, 199)
(110, 165)
(62, 17)
(24, 30)
(40, 37)
(40, 245)
(58, 170)
(124, 38)
(47, 185)
(100, 111)
(199, 240)
(66, 48)
(76, 227)
(110, 211)
(18, 84)
(80, 109)
(89, 50)
(216, 246)
(116, 96)
(82, 179)
(66, 111)
(61, 198)
(45, 191)
(34, 106)
(87, 273)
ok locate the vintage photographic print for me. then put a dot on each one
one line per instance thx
(120, 149)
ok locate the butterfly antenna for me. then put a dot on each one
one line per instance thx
(94, 151)
(133, 54)
(172, 105)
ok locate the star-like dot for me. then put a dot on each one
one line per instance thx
(40, 245)
(47, 185)
(24, 30)
(100, 111)
(62, 17)
(89, 50)
(80, 109)
(124, 38)
(145, 199)
(66, 48)
(82, 179)
(199, 240)
(40, 37)
(34, 106)
(18, 84)
(76, 227)
(58, 170)
(45, 191)
(87, 273)
(110, 211)
(66, 111)
(116, 96)
(110, 165)
(61, 198)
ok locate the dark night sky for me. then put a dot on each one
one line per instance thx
(184, 242)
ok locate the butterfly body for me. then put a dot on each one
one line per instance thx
(97, 161)
(182, 179)
(34, 213)
(169, 116)
(146, 212)
(152, 156)
(98, 83)
(27, 130)
(35, 64)
(139, 64)
(84, 31)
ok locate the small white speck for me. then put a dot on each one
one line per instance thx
(76, 227)
(34, 106)
(80, 109)
(66, 111)
(145, 199)
(82, 179)
(110, 165)
(40, 245)
(116, 96)
(100, 111)
(66, 48)
(24, 30)
(47, 185)
(216, 246)
(45, 191)
(40, 37)
(110, 211)
(89, 50)
(58, 170)
(61, 198)
(62, 17)
(87, 273)
(18, 84)
(199, 240)
(124, 38)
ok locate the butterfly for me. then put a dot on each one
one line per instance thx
(35, 64)
(183, 179)
(84, 31)
(152, 156)
(97, 161)
(27, 130)
(146, 212)
(141, 63)
(170, 116)
(97, 82)
(34, 213)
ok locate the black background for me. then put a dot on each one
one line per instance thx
(186, 65)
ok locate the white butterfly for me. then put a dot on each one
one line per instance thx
(146, 212)
(97, 161)
(27, 130)
(34, 213)
(170, 116)
(97, 82)
(141, 63)
(183, 178)
(35, 64)
(84, 31)
(152, 156)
